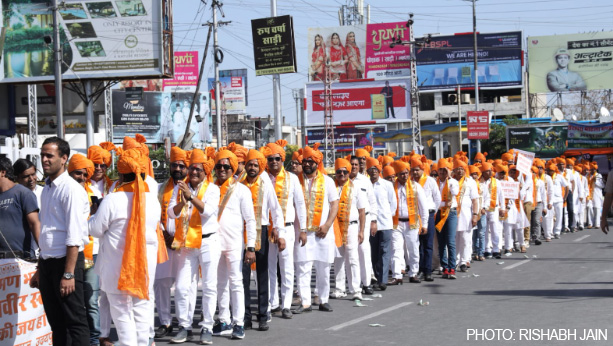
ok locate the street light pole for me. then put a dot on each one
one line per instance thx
(57, 51)
(476, 67)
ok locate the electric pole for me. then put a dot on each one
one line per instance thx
(276, 87)
(476, 68)
(216, 49)
(57, 51)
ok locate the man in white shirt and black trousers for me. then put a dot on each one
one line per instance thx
(64, 233)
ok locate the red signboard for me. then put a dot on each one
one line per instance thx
(478, 124)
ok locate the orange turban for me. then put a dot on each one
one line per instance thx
(579, 168)
(485, 166)
(227, 154)
(474, 169)
(594, 165)
(385, 160)
(480, 156)
(501, 168)
(534, 170)
(277, 148)
(195, 156)
(130, 143)
(540, 163)
(400, 166)
(372, 162)
(99, 155)
(178, 154)
(239, 151)
(313, 153)
(253, 154)
(569, 162)
(444, 163)
(552, 167)
(458, 163)
(342, 163)
(133, 276)
(416, 162)
(434, 167)
(363, 152)
(78, 161)
(297, 155)
(387, 171)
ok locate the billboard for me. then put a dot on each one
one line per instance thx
(448, 61)
(186, 73)
(353, 101)
(545, 141)
(381, 60)
(232, 95)
(274, 50)
(570, 62)
(478, 124)
(343, 46)
(159, 115)
(99, 39)
(348, 137)
(581, 136)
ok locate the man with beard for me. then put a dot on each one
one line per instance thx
(194, 205)
(101, 157)
(166, 271)
(290, 197)
(447, 219)
(322, 205)
(25, 174)
(241, 155)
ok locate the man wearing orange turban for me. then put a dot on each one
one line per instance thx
(267, 210)
(433, 200)
(468, 210)
(349, 231)
(381, 241)
(321, 202)
(389, 174)
(487, 242)
(362, 154)
(480, 157)
(100, 183)
(235, 214)
(80, 168)
(408, 220)
(580, 203)
(595, 185)
(194, 206)
(560, 192)
(241, 156)
(446, 219)
(165, 273)
(296, 163)
(291, 199)
(126, 223)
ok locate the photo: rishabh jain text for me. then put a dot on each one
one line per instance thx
(537, 334)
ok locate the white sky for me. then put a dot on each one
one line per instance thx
(534, 18)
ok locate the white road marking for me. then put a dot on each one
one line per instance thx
(364, 318)
(581, 238)
(517, 264)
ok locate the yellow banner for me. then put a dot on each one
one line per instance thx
(378, 106)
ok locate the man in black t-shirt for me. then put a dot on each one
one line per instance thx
(19, 210)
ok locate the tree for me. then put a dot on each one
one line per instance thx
(497, 144)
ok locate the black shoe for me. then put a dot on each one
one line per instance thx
(325, 307)
(263, 326)
(537, 242)
(221, 328)
(463, 268)
(414, 279)
(302, 309)
(487, 254)
(275, 310)
(421, 275)
(428, 277)
(286, 313)
(497, 255)
(162, 331)
(181, 336)
(368, 290)
(382, 287)
(248, 325)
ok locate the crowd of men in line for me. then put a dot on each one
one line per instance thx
(111, 251)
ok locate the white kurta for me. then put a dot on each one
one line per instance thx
(466, 201)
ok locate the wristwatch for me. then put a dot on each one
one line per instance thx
(251, 249)
(68, 276)
(303, 230)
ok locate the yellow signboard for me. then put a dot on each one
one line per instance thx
(378, 106)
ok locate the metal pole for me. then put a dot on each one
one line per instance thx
(58, 70)
(276, 86)
(459, 119)
(476, 67)
(302, 117)
(89, 114)
(217, 84)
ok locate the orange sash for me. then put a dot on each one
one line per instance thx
(314, 199)
(164, 195)
(591, 182)
(188, 232)
(444, 211)
(460, 195)
(414, 219)
(282, 181)
(423, 179)
(257, 194)
(344, 210)
(88, 250)
(493, 189)
(226, 189)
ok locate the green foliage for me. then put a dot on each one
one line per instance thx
(20, 38)
(289, 151)
(497, 144)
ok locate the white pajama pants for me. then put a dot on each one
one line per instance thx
(548, 223)
(558, 210)
(229, 272)
(365, 257)
(322, 280)
(348, 263)
(411, 241)
(493, 232)
(104, 310)
(132, 317)
(162, 287)
(398, 262)
(186, 289)
(464, 246)
(594, 216)
(285, 259)
(582, 213)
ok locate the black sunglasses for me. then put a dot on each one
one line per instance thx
(273, 159)
(178, 165)
(308, 162)
(223, 167)
(99, 165)
(196, 169)
(295, 163)
(342, 171)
